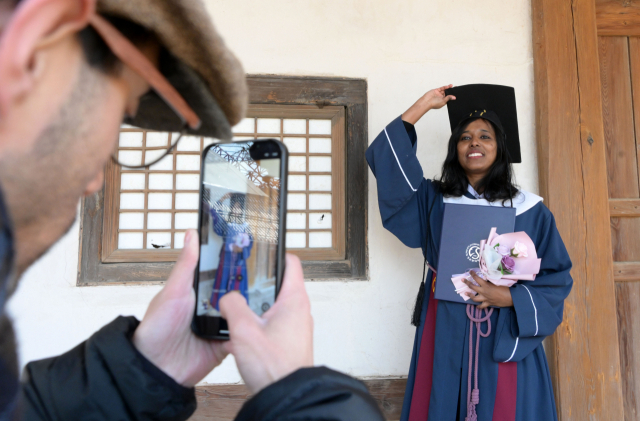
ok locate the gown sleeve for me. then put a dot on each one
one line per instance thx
(392, 159)
(219, 224)
(537, 305)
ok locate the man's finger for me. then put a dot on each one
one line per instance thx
(293, 282)
(234, 308)
(484, 304)
(181, 277)
(293, 294)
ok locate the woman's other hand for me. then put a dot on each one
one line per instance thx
(489, 294)
(432, 100)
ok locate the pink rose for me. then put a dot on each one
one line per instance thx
(503, 250)
(519, 250)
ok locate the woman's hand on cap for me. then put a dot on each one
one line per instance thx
(436, 98)
(432, 100)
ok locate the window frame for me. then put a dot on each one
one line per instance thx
(337, 116)
(263, 90)
(112, 191)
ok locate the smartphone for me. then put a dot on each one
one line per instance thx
(242, 229)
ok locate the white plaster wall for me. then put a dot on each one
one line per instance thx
(402, 49)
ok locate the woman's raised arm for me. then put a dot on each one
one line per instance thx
(432, 100)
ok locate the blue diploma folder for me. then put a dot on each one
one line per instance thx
(463, 226)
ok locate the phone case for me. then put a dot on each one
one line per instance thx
(215, 327)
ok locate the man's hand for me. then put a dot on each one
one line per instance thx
(280, 342)
(489, 294)
(432, 100)
(164, 336)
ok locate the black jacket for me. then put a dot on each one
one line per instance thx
(106, 378)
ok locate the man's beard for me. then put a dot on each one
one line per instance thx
(42, 186)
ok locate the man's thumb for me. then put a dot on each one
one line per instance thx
(235, 309)
(182, 273)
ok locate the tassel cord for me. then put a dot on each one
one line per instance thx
(475, 318)
(417, 308)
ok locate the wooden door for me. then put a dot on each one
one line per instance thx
(619, 58)
(583, 354)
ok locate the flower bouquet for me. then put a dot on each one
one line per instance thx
(241, 240)
(504, 260)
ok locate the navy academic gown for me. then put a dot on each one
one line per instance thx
(513, 377)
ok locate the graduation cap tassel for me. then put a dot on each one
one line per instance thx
(417, 309)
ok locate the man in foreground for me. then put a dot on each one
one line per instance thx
(68, 79)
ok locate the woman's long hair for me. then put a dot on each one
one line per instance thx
(498, 184)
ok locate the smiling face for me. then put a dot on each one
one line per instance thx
(477, 149)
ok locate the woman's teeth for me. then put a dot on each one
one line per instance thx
(473, 155)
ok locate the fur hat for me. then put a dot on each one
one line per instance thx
(195, 60)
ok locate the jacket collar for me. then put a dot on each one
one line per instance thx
(6, 251)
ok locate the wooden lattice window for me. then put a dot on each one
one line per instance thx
(148, 210)
(315, 202)
(323, 121)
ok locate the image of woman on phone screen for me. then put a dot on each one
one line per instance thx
(512, 372)
(237, 243)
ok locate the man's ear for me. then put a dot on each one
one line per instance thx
(34, 25)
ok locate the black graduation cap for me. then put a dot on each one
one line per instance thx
(495, 103)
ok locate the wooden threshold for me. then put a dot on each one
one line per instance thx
(626, 271)
(223, 402)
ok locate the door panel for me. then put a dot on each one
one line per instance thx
(625, 240)
(617, 112)
(620, 86)
(627, 299)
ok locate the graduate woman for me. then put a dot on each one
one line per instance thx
(513, 376)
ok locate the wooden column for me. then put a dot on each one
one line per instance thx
(583, 354)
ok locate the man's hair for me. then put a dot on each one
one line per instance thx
(498, 184)
(96, 51)
(99, 55)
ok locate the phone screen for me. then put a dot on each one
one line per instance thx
(239, 225)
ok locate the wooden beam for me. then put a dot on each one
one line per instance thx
(583, 353)
(626, 271)
(223, 402)
(618, 17)
(624, 207)
(220, 402)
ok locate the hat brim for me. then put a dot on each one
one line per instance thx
(155, 114)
